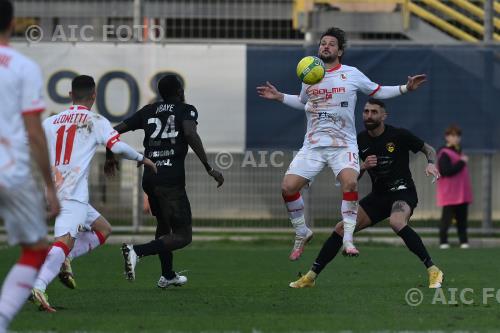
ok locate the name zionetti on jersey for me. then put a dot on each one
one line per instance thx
(73, 118)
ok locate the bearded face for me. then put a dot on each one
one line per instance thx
(329, 49)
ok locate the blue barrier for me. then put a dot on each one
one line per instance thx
(463, 88)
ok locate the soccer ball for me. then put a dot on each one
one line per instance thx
(311, 70)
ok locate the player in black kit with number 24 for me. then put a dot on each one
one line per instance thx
(169, 127)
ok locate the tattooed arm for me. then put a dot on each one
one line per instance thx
(431, 168)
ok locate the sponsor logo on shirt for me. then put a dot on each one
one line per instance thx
(324, 91)
(162, 163)
(343, 77)
(344, 104)
(164, 153)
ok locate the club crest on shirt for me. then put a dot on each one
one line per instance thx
(343, 77)
(390, 146)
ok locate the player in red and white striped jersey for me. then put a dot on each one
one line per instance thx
(73, 137)
(22, 205)
(331, 135)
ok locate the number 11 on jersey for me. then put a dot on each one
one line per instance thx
(67, 142)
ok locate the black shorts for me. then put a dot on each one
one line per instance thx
(378, 206)
(170, 205)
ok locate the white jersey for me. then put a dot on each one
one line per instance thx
(330, 107)
(21, 89)
(73, 137)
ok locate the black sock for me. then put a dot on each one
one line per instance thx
(166, 260)
(415, 245)
(151, 248)
(329, 250)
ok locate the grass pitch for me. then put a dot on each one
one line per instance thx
(244, 288)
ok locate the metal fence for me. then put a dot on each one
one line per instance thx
(257, 20)
(186, 20)
(251, 195)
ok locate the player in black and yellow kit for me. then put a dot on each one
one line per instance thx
(169, 127)
(384, 150)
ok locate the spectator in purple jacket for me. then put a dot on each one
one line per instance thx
(454, 190)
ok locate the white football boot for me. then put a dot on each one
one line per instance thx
(177, 281)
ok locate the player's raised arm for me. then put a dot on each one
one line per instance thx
(375, 90)
(194, 141)
(431, 168)
(268, 91)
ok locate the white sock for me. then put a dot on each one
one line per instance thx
(300, 225)
(349, 214)
(15, 290)
(51, 266)
(86, 242)
(295, 207)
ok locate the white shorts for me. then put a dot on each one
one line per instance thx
(73, 214)
(310, 161)
(23, 211)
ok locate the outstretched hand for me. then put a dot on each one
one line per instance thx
(111, 165)
(148, 163)
(432, 170)
(217, 176)
(269, 91)
(415, 81)
(53, 205)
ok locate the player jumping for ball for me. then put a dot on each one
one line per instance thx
(331, 135)
(384, 150)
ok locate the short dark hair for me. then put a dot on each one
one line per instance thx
(337, 33)
(170, 86)
(82, 88)
(6, 14)
(375, 101)
(453, 130)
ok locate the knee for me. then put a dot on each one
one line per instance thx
(187, 237)
(397, 224)
(350, 185)
(66, 239)
(339, 228)
(107, 231)
(288, 189)
(103, 227)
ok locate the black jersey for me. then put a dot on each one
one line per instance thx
(392, 147)
(164, 140)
